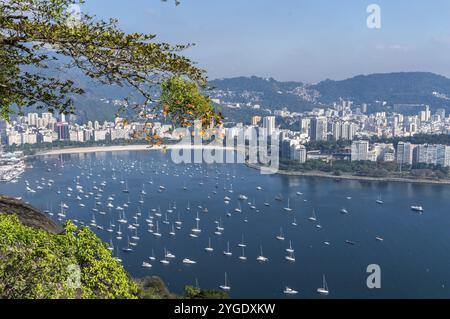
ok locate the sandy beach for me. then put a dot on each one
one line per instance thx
(125, 148)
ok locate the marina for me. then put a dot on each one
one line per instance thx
(293, 237)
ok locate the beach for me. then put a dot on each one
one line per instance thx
(126, 148)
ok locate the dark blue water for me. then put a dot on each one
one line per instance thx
(414, 256)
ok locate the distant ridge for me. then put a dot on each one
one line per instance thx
(395, 88)
(400, 87)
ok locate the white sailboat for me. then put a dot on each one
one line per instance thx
(288, 208)
(165, 261)
(280, 236)
(261, 257)
(157, 233)
(228, 252)
(225, 286)
(323, 290)
(290, 249)
(242, 243)
(290, 257)
(209, 248)
(313, 217)
(128, 249)
(197, 229)
(290, 291)
(243, 257)
(379, 200)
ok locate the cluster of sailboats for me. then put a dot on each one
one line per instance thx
(120, 210)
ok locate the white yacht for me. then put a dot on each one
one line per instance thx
(188, 261)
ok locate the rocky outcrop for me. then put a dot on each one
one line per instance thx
(28, 215)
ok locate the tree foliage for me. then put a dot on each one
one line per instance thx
(35, 264)
(36, 35)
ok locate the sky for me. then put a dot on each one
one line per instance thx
(298, 40)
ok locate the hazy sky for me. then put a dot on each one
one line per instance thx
(304, 40)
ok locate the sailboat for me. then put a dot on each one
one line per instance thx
(166, 220)
(242, 243)
(128, 249)
(280, 236)
(126, 190)
(313, 217)
(172, 232)
(197, 228)
(290, 257)
(165, 261)
(290, 291)
(294, 223)
(379, 200)
(290, 249)
(228, 252)
(288, 208)
(152, 257)
(261, 257)
(225, 286)
(243, 257)
(178, 222)
(111, 245)
(209, 249)
(157, 233)
(323, 290)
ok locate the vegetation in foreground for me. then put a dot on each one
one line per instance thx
(37, 264)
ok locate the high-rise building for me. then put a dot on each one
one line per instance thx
(269, 125)
(441, 112)
(304, 125)
(299, 154)
(405, 153)
(360, 151)
(3, 136)
(33, 119)
(318, 128)
(63, 131)
(443, 155)
(426, 154)
(285, 149)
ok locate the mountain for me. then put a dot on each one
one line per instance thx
(269, 93)
(102, 102)
(395, 88)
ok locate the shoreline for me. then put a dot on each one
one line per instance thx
(124, 148)
(318, 174)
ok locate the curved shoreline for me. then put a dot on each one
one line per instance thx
(355, 178)
(124, 148)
